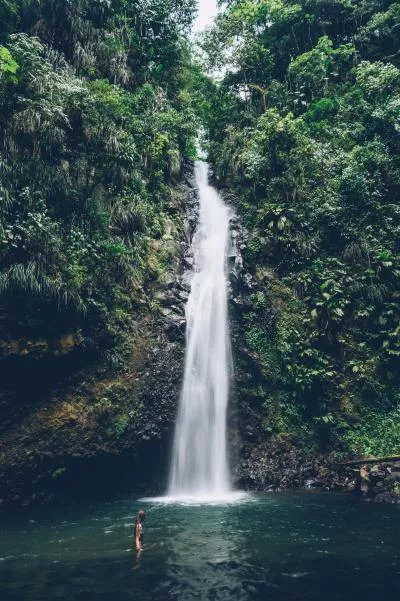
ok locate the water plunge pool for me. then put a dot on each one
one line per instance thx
(278, 546)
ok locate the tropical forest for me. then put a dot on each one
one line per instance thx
(199, 300)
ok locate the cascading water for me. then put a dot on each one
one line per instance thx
(199, 461)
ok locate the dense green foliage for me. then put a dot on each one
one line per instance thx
(100, 102)
(95, 124)
(305, 128)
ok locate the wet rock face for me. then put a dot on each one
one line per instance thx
(174, 291)
(279, 465)
(384, 482)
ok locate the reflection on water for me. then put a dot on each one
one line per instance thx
(297, 547)
(201, 555)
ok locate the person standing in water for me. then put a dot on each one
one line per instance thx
(364, 480)
(139, 537)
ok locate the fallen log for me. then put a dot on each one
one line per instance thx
(368, 459)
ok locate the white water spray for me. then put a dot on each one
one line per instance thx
(199, 467)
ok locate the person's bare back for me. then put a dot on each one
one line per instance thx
(139, 536)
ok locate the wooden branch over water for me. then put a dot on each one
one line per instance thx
(370, 460)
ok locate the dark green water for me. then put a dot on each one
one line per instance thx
(284, 546)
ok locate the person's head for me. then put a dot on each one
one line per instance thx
(141, 516)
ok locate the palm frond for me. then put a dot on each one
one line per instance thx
(29, 280)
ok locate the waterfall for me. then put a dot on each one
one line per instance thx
(199, 466)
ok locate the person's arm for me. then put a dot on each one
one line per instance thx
(137, 537)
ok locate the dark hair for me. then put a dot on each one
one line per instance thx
(140, 517)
